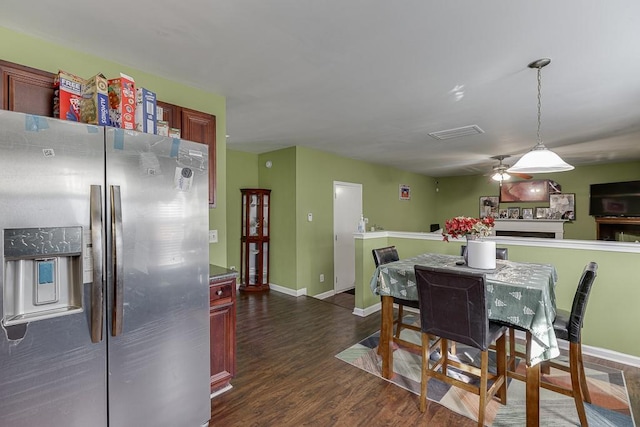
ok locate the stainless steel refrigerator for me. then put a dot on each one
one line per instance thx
(104, 276)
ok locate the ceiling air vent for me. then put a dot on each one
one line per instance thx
(457, 132)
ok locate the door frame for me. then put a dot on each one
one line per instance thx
(336, 185)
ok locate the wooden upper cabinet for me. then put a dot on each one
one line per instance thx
(171, 114)
(198, 127)
(26, 90)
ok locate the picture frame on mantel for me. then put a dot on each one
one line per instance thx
(514, 213)
(542, 213)
(562, 206)
(527, 213)
(525, 191)
(489, 206)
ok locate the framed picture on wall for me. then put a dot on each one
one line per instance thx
(527, 213)
(489, 206)
(405, 192)
(514, 213)
(562, 206)
(525, 191)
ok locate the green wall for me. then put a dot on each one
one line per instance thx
(41, 54)
(460, 195)
(301, 180)
(242, 172)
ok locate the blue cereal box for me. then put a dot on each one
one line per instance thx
(94, 107)
(146, 114)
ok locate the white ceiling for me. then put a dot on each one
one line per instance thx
(369, 79)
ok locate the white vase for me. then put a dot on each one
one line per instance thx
(481, 254)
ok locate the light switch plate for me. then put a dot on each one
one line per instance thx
(309, 217)
(213, 236)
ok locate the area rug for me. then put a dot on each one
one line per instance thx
(609, 395)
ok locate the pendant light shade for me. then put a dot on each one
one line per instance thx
(540, 159)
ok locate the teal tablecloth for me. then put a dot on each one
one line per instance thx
(519, 293)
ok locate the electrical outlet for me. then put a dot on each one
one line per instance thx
(366, 220)
(213, 236)
(322, 277)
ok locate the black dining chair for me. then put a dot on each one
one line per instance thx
(383, 256)
(568, 326)
(453, 307)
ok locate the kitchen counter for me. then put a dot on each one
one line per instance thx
(220, 273)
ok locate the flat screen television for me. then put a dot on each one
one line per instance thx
(615, 199)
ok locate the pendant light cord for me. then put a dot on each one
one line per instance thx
(539, 102)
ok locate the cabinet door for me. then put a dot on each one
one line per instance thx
(26, 89)
(222, 336)
(171, 114)
(201, 127)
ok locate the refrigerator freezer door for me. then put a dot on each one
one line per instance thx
(50, 372)
(159, 358)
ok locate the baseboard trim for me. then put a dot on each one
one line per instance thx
(602, 353)
(288, 291)
(325, 295)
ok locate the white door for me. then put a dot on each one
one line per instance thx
(347, 208)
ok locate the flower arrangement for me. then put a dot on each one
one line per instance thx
(463, 225)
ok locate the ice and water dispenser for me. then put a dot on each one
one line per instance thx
(42, 273)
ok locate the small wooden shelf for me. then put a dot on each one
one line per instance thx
(621, 229)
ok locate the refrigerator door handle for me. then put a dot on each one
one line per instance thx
(97, 286)
(118, 279)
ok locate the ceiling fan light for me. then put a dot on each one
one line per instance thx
(540, 160)
(500, 176)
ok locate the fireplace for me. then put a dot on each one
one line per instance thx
(543, 228)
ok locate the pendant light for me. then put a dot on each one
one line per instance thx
(540, 159)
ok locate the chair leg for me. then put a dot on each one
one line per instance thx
(400, 316)
(574, 365)
(501, 368)
(512, 349)
(583, 378)
(484, 367)
(423, 376)
(444, 354)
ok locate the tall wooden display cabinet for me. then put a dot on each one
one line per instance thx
(254, 245)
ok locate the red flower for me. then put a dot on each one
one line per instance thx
(463, 225)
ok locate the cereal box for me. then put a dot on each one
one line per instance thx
(162, 127)
(145, 111)
(67, 96)
(94, 107)
(174, 133)
(122, 102)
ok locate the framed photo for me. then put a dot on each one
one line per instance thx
(525, 191)
(527, 213)
(504, 214)
(489, 206)
(542, 213)
(405, 192)
(514, 213)
(562, 206)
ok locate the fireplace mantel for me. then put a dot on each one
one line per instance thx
(531, 227)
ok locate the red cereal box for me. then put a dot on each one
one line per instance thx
(122, 102)
(67, 96)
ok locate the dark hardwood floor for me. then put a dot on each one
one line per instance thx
(287, 373)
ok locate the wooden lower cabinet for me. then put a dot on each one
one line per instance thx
(222, 331)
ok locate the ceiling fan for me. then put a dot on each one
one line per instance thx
(500, 174)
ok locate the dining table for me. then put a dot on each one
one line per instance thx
(517, 293)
